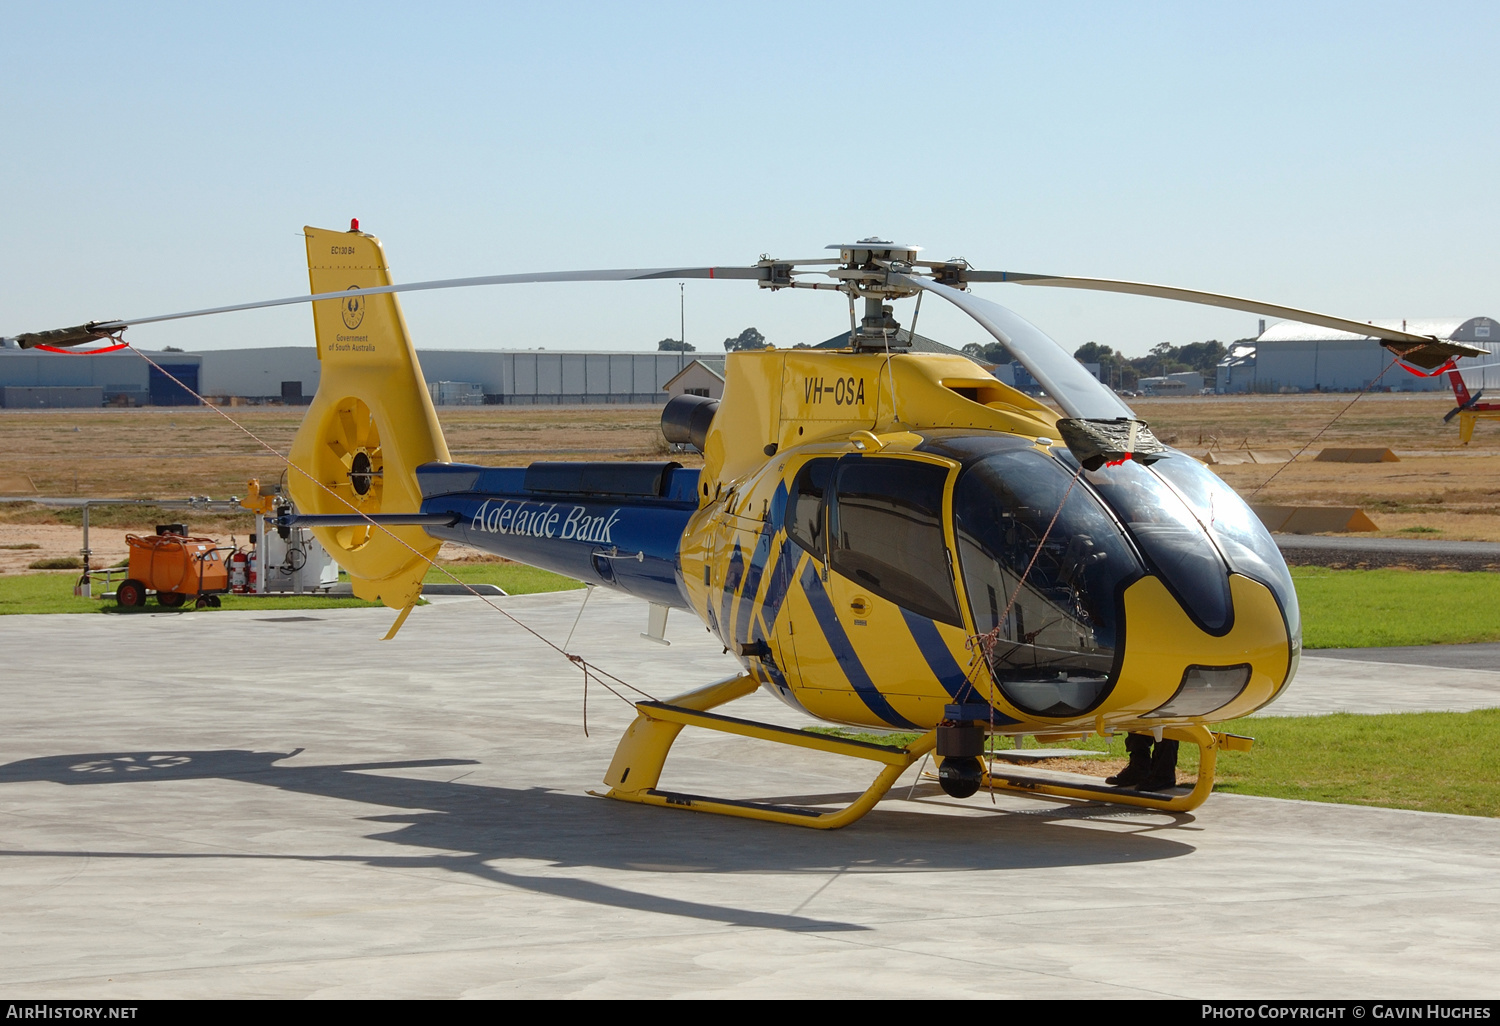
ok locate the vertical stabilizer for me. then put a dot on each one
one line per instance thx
(1460, 389)
(371, 423)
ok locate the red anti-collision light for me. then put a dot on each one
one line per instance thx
(354, 224)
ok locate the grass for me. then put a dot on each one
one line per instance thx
(53, 593)
(1378, 608)
(1428, 762)
(58, 563)
(512, 578)
(1431, 762)
(22, 547)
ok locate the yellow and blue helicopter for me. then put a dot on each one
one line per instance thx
(884, 538)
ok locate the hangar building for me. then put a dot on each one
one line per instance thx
(290, 374)
(35, 379)
(1292, 357)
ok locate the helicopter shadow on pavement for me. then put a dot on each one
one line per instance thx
(464, 827)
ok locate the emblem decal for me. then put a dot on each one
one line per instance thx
(354, 310)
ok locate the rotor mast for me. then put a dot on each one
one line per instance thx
(871, 270)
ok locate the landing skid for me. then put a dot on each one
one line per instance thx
(1208, 744)
(636, 768)
(637, 765)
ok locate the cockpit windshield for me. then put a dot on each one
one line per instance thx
(1243, 539)
(1056, 633)
(1171, 538)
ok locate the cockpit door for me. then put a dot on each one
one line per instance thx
(886, 540)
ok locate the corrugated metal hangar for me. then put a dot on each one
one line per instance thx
(1292, 357)
(290, 374)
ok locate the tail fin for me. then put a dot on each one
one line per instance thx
(1460, 390)
(370, 425)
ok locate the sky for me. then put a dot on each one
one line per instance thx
(162, 157)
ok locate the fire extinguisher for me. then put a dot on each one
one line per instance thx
(239, 572)
(252, 574)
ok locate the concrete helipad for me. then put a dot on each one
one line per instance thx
(280, 804)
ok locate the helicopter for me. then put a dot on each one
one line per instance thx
(886, 539)
(1469, 383)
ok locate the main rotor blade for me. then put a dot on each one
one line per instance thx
(95, 329)
(1423, 350)
(1078, 392)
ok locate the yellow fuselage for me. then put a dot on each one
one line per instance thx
(878, 618)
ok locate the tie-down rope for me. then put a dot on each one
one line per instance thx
(588, 668)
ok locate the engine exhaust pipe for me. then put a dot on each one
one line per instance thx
(686, 418)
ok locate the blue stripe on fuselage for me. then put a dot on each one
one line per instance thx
(759, 557)
(732, 577)
(843, 650)
(757, 568)
(781, 580)
(925, 633)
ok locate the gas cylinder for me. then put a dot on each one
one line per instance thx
(239, 572)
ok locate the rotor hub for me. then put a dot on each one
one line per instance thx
(866, 252)
(361, 472)
(867, 268)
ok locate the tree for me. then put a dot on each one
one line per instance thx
(1202, 356)
(992, 353)
(1114, 369)
(747, 339)
(672, 345)
(1164, 354)
(1166, 358)
(1163, 359)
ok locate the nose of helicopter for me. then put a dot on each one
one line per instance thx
(1174, 670)
(1150, 595)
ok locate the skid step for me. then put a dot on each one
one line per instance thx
(688, 800)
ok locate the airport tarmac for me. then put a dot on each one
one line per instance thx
(280, 804)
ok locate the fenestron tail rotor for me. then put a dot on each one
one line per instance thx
(353, 439)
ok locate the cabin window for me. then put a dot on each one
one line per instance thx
(1056, 632)
(805, 505)
(886, 529)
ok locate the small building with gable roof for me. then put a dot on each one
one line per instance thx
(703, 376)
